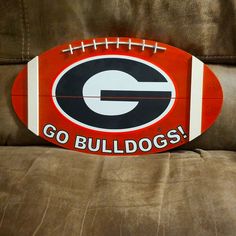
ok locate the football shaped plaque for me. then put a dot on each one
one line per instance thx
(117, 96)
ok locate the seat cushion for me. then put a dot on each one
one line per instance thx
(52, 191)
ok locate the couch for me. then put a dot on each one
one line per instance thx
(47, 190)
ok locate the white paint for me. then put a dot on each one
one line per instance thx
(142, 145)
(94, 44)
(62, 137)
(143, 45)
(130, 44)
(155, 48)
(106, 42)
(117, 81)
(80, 142)
(71, 49)
(116, 148)
(108, 80)
(117, 43)
(82, 46)
(195, 121)
(130, 146)
(49, 131)
(33, 95)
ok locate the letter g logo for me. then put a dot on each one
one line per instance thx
(113, 93)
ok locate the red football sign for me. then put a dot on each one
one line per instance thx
(117, 96)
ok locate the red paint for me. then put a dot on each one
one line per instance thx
(174, 62)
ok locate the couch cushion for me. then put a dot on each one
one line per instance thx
(204, 28)
(50, 191)
(220, 136)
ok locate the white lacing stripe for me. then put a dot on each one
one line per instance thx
(129, 43)
(195, 121)
(33, 95)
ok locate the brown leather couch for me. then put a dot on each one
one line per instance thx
(46, 190)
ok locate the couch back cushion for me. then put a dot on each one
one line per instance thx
(204, 28)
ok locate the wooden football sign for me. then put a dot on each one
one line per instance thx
(117, 96)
